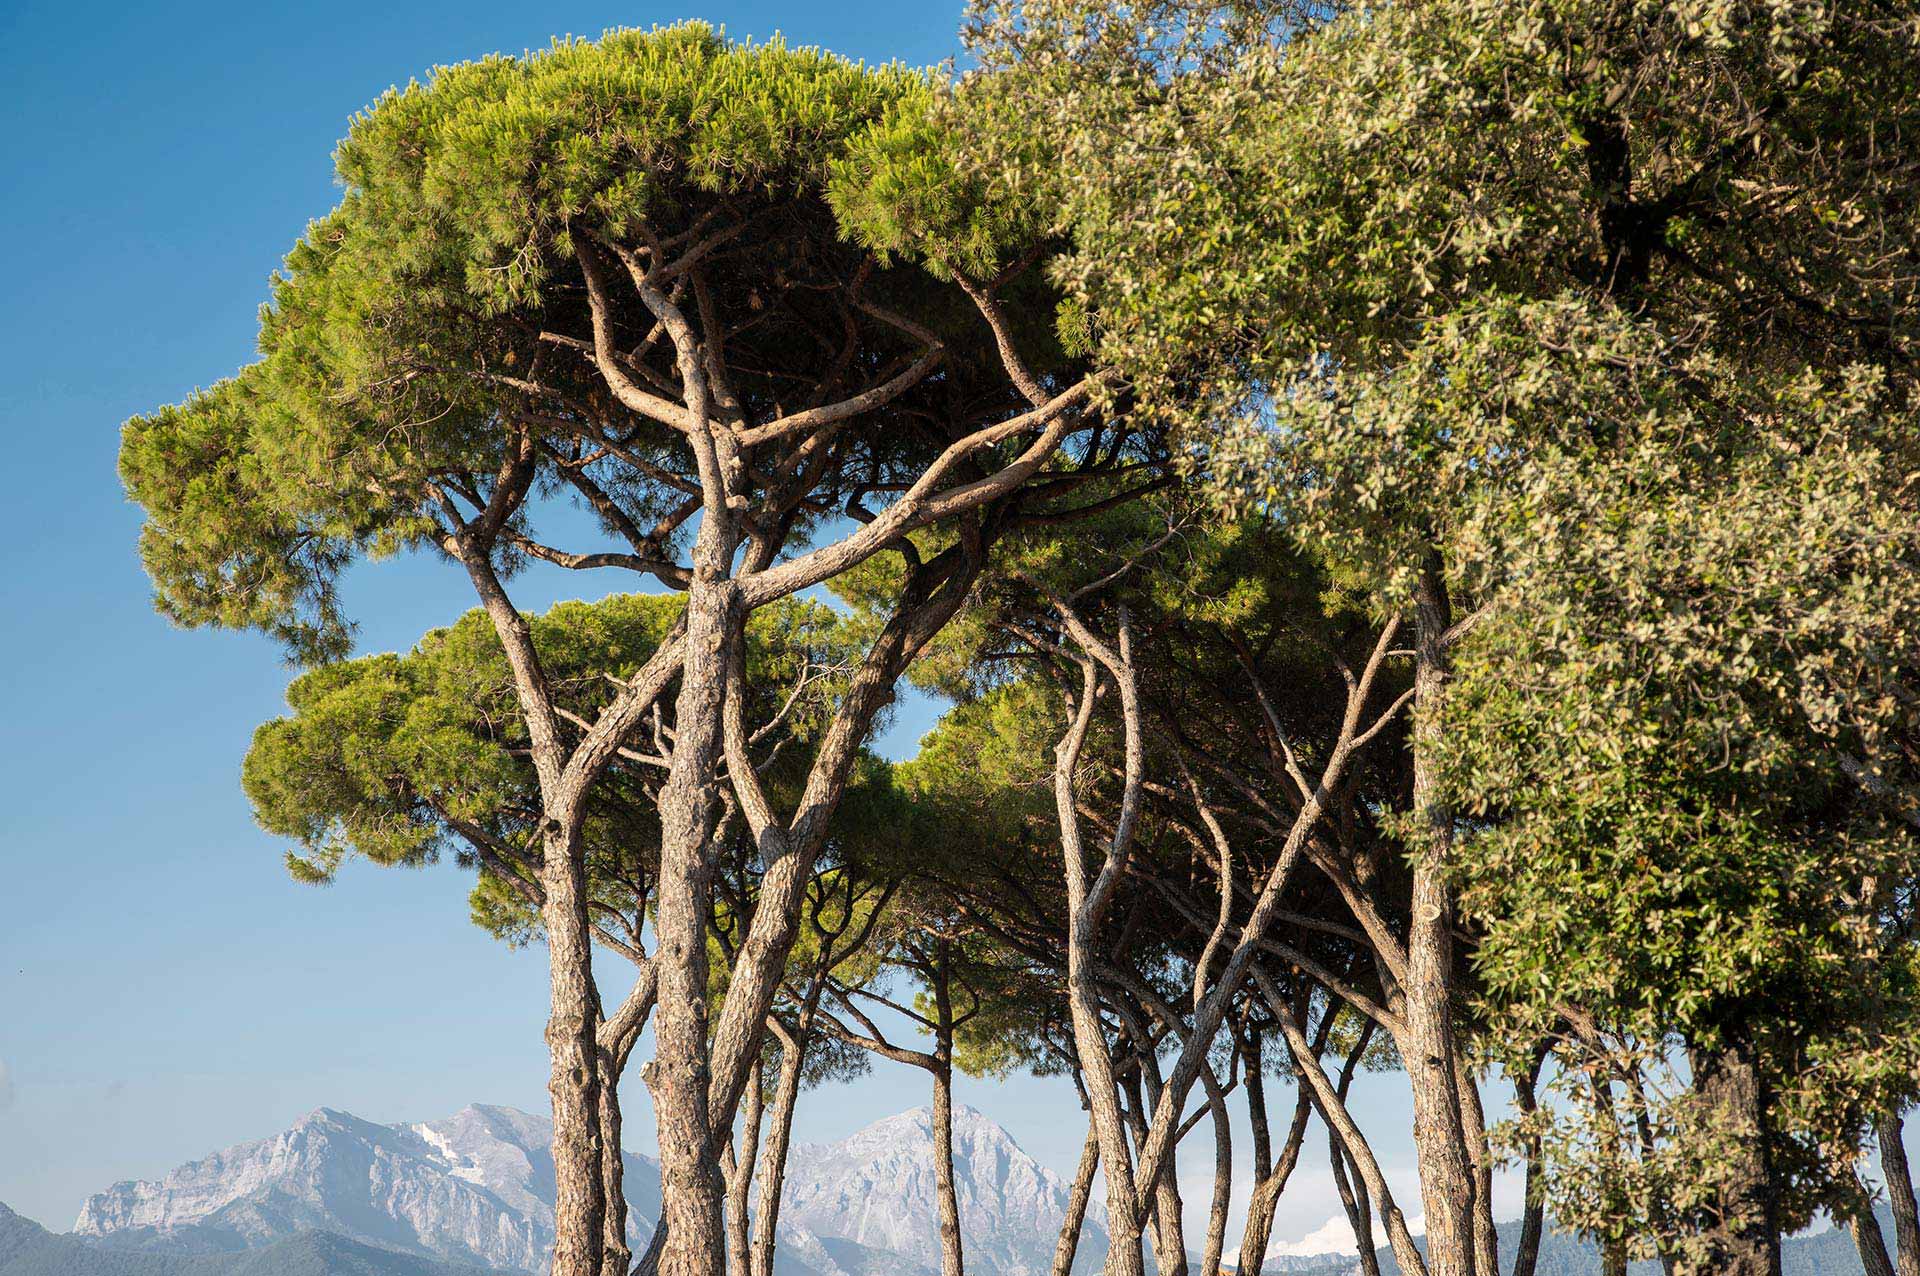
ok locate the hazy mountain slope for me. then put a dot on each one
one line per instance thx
(27, 1249)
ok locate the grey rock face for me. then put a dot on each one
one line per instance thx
(474, 1188)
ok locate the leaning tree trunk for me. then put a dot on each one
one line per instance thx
(574, 1054)
(1333, 1111)
(1427, 1045)
(1353, 1192)
(1076, 1219)
(1742, 1238)
(1865, 1228)
(1355, 1200)
(1889, 1131)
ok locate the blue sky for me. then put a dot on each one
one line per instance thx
(165, 988)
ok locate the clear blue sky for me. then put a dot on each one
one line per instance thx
(165, 988)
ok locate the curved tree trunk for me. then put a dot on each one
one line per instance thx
(1889, 1131)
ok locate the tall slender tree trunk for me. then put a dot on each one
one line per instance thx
(1077, 1198)
(1889, 1131)
(1124, 1221)
(681, 1071)
(1526, 1254)
(1168, 1212)
(773, 1155)
(616, 1257)
(1333, 1111)
(1473, 1128)
(739, 1176)
(1427, 1045)
(952, 1261)
(573, 1082)
(1271, 1172)
(1353, 1192)
(1743, 1238)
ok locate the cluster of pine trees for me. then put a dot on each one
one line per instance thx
(1415, 507)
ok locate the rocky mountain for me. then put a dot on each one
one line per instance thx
(875, 1188)
(340, 1196)
(476, 1188)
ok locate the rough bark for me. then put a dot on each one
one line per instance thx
(1865, 1228)
(739, 1177)
(1473, 1128)
(679, 1075)
(952, 1262)
(1085, 906)
(1165, 1211)
(616, 1258)
(573, 1080)
(1889, 1131)
(1447, 1179)
(1742, 1238)
(1076, 1219)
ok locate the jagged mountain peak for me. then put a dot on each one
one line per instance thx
(877, 1188)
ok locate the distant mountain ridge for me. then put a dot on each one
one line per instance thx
(477, 1188)
(28, 1249)
(472, 1195)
